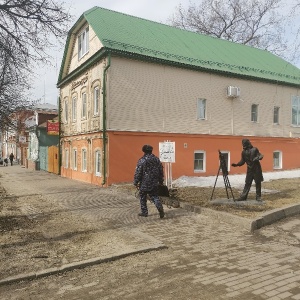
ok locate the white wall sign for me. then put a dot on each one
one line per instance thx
(167, 152)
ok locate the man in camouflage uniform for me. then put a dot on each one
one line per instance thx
(148, 175)
(251, 156)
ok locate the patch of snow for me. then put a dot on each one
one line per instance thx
(236, 181)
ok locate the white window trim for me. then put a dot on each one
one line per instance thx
(199, 105)
(84, 160)
(66, 110)
(83, 105)
(97, 173)
(66, 158)
(278, 111)
(83, 43)
(74, 108)
(228, 154)
(254, 121)
(298, 109)
(96, 100)
(280, 160)
(204, 161)
(74, 159)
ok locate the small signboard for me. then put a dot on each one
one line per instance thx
(52, 127)
(167, 152)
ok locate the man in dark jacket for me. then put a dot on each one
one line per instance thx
(11, 158)
(251, 156)
(148, 175)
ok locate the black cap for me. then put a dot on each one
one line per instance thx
(147, 148)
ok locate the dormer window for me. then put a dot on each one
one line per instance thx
(83, 43)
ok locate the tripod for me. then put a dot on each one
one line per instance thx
(223, 167)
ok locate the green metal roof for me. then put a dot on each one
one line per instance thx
(143, 38)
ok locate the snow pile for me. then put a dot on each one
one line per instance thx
(236, 181)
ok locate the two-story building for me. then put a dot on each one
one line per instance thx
(126, 81)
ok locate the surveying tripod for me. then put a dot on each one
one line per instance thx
(223, 167)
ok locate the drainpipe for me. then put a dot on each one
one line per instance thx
(59, 136)
(104, 139)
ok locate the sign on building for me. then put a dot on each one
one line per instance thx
(167, 152)
(52, 127)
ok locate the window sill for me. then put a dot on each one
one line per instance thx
(83, 55)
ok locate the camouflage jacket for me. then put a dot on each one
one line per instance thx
(148, 173)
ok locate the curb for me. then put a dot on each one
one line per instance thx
(75, 265)
(249, 224)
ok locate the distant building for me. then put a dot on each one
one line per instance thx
(40, 141)
(125, 82)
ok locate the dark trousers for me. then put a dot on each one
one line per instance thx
(153, 194)
(248, 183)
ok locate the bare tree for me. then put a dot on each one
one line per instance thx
(257, 23)
(26, 28)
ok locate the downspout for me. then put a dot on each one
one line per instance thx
(59, 136)
(104, 139)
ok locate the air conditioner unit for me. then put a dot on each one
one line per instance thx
(233, 91)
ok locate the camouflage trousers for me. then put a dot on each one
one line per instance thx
(154, 198)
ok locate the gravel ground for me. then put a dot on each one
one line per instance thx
(275, 194)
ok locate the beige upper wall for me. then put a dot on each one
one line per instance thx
(150, 97)
(94, 46)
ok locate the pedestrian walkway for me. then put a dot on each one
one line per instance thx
(206, 252)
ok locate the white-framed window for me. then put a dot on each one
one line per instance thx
(83, 43)
(74, 159)
(296, 110)
(84, 105)
(199, 161)
(201, 109)
(276, 115)
(84, 160)
(66, 110)
(277, 159)
(74, 108)
(254, 112)
(96, 100)
(66, 158)
(226, 158)
(98, 163)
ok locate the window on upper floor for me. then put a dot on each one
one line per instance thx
(84, 105)
(83, 43)
(276, 115)
(74, 108)
(66, 110)
(199, 161)
(296, 110)
(96, 100)
(277, 160)
(201, 109)
(254, 113)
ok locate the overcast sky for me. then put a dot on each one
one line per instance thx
(155, 10)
